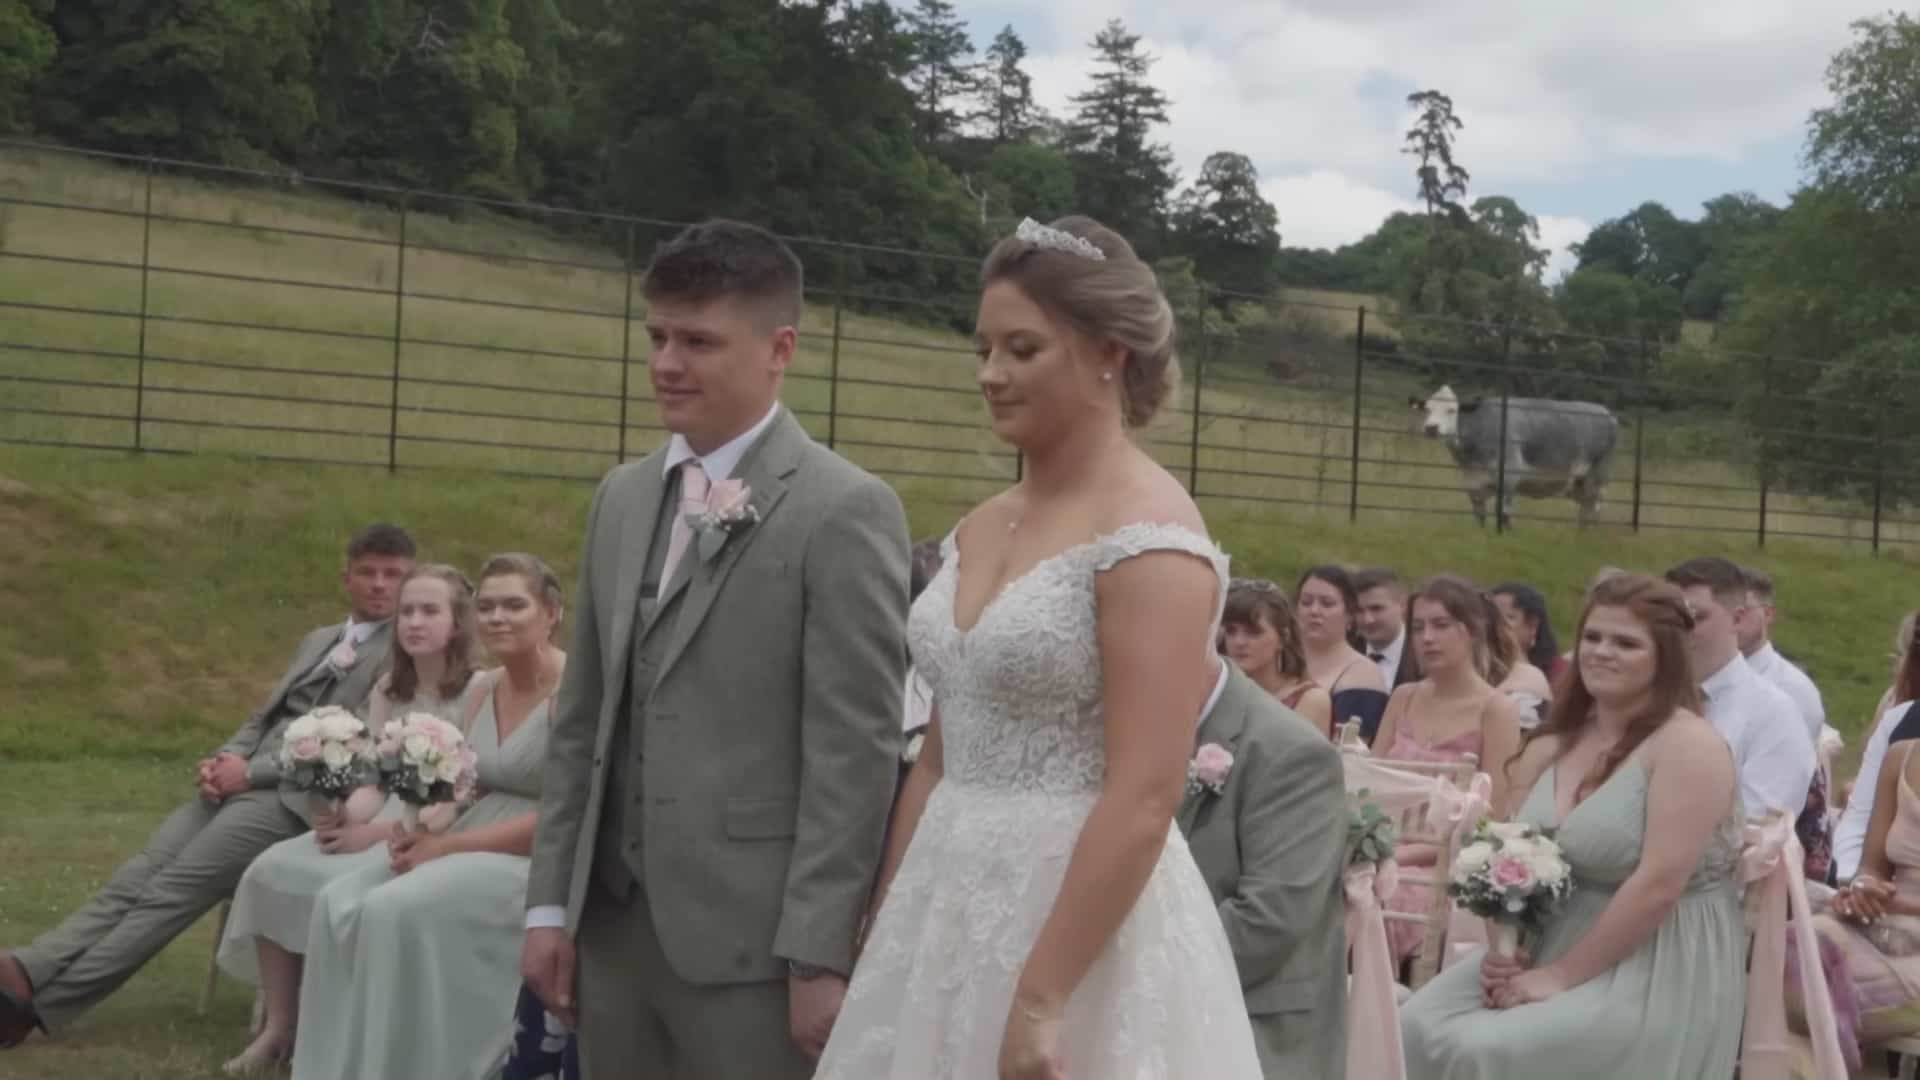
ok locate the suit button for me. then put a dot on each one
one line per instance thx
(597, 761)
(633, 845)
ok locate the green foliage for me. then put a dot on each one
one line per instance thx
(27, 47)
(1867, 143)
(1370, 832)
(939, 71)
(1122, 177)
(1443, 181)
(1030, 180)
(1004, 92)
(1229, 228)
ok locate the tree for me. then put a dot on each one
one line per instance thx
(1868, 141)
(1006, 110)
(1442, 181)
(1121, 176)
(1226, 225)
(1649, 243)
(1026, 179)
(939, 72)
(27, 47)
(220, 80)
(1512, 237)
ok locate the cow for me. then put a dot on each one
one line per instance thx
(1552, 448)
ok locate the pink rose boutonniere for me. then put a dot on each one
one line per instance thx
(1209, 769)
(729, 509)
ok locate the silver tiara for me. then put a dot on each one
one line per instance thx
(1052, 239)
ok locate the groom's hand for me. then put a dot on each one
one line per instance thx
(546, 963)
(812, 1007)
(227, 775)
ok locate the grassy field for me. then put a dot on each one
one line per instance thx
(154, 597)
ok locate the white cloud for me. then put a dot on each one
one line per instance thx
(1556, 232)
(1554, 92)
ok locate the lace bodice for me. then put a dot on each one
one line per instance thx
(1020, 692)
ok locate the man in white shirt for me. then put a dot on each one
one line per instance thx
(1760, 723)
(1754, 630)
(1383, 607)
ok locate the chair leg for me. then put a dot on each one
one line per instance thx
(213, 961)
(1908, 1063)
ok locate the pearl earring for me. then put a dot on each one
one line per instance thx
(1106, 376)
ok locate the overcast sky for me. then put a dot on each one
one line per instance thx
(1578, 110)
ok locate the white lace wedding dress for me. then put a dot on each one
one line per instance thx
(1019, 698)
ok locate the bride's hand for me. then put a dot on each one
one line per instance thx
(1030, 1046)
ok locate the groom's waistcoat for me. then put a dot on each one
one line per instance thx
(619, 858)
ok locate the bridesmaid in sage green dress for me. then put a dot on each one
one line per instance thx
(1641, 973)
(411, 965)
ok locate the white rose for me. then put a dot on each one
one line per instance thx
(344, 726)
(1550, 871)
(335, 755)
(416, 746)
(449, 769)
(302, 728)
(1472, 859)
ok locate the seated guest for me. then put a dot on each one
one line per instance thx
(1525, 611)
(1509, 671)
(1259, 633)
(1450, 713)
(266, 932)
(1381, 620)
(1641, 972)
(1271, 844)
(193, 860)
(1604, 574)
(1328, 610)
(1771, 748)
(411, 965)
(1874, 924)
(1754, 632)
(1850, 834)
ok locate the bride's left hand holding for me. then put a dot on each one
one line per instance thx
(1030, 1046)
(408, 850)
(1534, 984)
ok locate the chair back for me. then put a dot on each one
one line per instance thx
(1770, 865)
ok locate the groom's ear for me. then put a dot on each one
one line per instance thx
(786, 343)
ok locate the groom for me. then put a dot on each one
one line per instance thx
(723, 752)
(197, 855)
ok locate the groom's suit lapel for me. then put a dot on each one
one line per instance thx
(1224, 725)
(640, 519)
(766, 470)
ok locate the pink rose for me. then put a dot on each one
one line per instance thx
(1511, 873)
(307, 749)
(727, 499)
(1212, 764)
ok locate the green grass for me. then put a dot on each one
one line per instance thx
(152, 598)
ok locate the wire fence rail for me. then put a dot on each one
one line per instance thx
(167, 307)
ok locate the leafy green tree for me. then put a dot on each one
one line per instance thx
(1226, 225)
(1005, 109)
(1030, 180)
(1867, 142)
(1123, 178)
(1443, 182)
(940, 72)
(27, 47)
(1649, 243)
(218, 80)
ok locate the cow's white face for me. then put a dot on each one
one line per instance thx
(1442, 410)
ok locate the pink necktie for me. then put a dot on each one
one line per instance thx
(693, 500)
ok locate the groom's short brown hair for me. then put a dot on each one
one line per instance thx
(728, 258)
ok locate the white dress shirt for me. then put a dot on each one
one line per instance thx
(1850, 836)
(1769, 741)
(718, 466)
(1771, 666)
(1389, 662)
(1213, 699)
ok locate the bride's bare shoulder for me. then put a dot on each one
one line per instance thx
(1147, 492)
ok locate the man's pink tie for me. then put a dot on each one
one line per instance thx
(693, 500)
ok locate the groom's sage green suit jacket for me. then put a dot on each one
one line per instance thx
(768, 730)
(1271, 846)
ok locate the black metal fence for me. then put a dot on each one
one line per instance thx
(166, 307)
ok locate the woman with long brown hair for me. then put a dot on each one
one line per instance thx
(1641, 972)
(1259, 633)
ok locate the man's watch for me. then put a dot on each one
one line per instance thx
(805, 972)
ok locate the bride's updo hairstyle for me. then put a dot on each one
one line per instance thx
(1116, 299)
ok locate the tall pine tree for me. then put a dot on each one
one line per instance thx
(1122, 177)
(1006, 111)
(940, 72)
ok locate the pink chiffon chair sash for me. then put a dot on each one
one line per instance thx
(1770, 865)
(1374, 1050)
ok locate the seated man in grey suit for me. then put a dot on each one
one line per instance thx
(1271, 844)
(197, 855)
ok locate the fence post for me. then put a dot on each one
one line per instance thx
(1359, 369)
(1506, 398)
(399, 306)
(833, 372)
(1639, 462)
(626, 347)
(1199, 386)
(140, 350)
(1766, 437)
(1879, 468)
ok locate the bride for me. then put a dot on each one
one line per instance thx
(1037, 915)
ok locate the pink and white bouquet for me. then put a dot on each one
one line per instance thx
(1514, 876)
(424, 761)
(327, 753)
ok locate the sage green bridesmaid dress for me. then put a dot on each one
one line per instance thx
(410, 976)
(1671, 1010)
